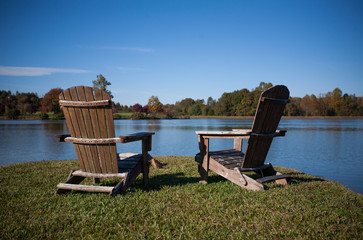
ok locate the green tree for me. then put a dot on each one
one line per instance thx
(293, 107)
(11, 113)
(336, 101)
(101, 83)
(224, 106)
(196, 110)
(185, 105)
(211, 102)
(262, 87)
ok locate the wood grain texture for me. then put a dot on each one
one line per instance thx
(88, 113)
(84, 103)
(230, 163)
(267, 118)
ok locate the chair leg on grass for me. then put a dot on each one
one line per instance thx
(72, 180)
(272, 172)
(96, 180)
(119, 188)
(203, 172)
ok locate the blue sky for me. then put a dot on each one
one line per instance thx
(179, 49)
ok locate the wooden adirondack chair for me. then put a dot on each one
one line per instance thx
(88, 113)
(232, 163)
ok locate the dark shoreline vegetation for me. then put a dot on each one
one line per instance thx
(174, 205)
(124, 116)
(240, 103)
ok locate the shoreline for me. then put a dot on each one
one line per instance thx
(212, 117)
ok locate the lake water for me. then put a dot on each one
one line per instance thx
(330, 148)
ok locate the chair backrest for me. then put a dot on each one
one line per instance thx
(88, 112)
(268, 114)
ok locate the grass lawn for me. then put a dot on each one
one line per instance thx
(122, 115)
(174, 206)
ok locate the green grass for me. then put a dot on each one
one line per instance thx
(127, 115)
(122, 115)
(174, 206)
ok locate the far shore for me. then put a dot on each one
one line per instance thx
(212, 117)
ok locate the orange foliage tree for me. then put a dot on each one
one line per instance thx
(50, 102)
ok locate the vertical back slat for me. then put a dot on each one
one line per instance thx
(87, 156)
(103, 131)
(96, 130)
(91, 149)
(82, 158)
(69, 116)
(111, 133)
(267, 118)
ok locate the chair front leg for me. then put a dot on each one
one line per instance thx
(204, 159)
(237, 144)
(146, 146)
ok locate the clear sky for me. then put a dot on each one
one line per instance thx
(178, 49)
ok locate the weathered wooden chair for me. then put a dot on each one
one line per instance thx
(232, 163)
(88, 113)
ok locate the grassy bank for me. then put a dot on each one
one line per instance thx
(128, 115)
(174, 206)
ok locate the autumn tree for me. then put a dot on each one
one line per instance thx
(136, 108)
(50, 102)
(145, 109)
(155, 106)
(101, 83)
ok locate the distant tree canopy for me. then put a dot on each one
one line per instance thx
(154, 105)
(329, 104)
(21, 103)
(102, 83)
(238, 103)
(50, 102)
(244, 103)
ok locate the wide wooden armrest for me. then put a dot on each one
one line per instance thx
(121, 139)
(281, 132)
(135, 136)
(62, 137)
(224, 134)
(277, 133)
(243, 133)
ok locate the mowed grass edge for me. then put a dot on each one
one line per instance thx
(174, 206)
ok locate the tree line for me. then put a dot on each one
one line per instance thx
(244, 103)
(238, 103)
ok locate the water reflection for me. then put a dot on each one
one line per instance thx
(330, 148)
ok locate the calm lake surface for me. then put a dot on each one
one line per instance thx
(330, 148)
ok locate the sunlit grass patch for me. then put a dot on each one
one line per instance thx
(174, 205)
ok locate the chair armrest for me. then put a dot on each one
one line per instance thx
(135, 136)
(243, 133)
(224, 134)
(277, 133)
(62, 137)
(281, 132)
